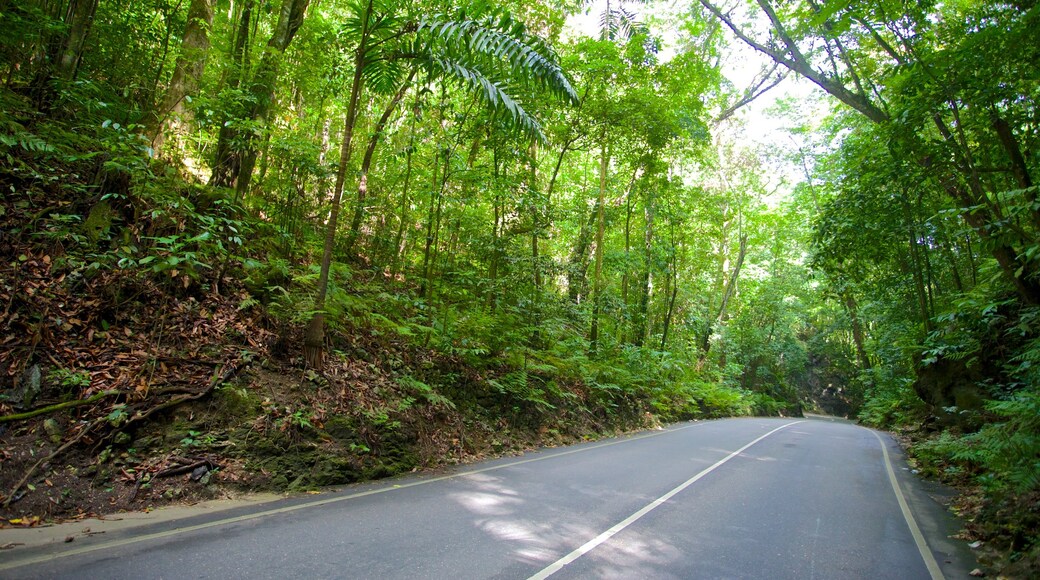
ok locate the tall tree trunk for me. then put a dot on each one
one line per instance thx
(536, 214)
(262, 90)
(314, 336)
(597, 281)
(858, 335)
(172, 117)
(496, 225)
(79, 20)
(674, 278)
(227, 158)
(64, 48)
(402, 224)
(628, 252)
(734, 278)
(366, 162)
(728, 291)
(430, 217)
(434, 230)
(433, 253)
(642, 314)
(578, 263)
(915, 265)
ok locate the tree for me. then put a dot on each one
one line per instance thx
(235, 161)
(892, 68)
(472, 52)
(172, 116)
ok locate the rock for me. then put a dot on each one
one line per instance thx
(98, 222)
(29, 387)
(54, 431)
(144, 443)
(199, 471)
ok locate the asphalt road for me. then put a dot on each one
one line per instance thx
(741, 498)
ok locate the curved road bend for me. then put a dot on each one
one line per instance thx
(738, 498)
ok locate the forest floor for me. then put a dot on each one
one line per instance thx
(121, 392)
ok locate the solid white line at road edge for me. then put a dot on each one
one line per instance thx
(591, 544)
(922, 546)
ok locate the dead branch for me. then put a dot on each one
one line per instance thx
(57, 407)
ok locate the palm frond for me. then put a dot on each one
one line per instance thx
(504, 40)
(383, 75)
(620, 24)
(493, 93)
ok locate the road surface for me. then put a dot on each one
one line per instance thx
(738, 498)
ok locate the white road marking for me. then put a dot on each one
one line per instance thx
(915, 531)
(18, 562)
(594, 542)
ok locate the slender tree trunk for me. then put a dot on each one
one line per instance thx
(262, 90)
(858, 335)
(434, 253)
(366, 162)
(290, 18)
(434, 230)
(159, 62)
(628, 250)
(951, 259)
(80, 20)
(64, 48)
(729, 289)
(642, 314)
(734, 278)
(1019, 168)
(314, 336)
(399, 239)
(536, 215)
(496, 202)
(578, 264)
(973, 264)
(671, 303)
(431, 216)
(597, 283)
(227, 157)
(626, 274)
(915, 261)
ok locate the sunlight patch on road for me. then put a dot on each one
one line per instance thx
(618, 527)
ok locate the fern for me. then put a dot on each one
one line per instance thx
(518, 384)
(1006, 453)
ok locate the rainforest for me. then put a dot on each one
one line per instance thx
(288, 244)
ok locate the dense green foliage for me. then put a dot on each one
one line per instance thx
(574, 217)
(924, 212)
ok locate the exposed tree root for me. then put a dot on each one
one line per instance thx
(229, 370)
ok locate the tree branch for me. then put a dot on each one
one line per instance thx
(794, 60)
(759, 87)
